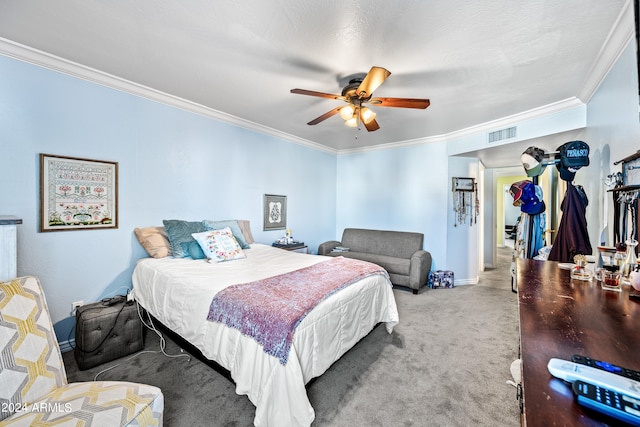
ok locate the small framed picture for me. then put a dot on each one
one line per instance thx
(77, 194)
(275, 212)
(463, 184)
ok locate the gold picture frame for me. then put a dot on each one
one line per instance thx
(77, 194)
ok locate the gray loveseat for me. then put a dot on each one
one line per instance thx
(398, 252)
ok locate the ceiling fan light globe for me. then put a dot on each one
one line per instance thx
(351, 122)
(367, 115)
(346, 112)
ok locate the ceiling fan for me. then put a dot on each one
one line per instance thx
(358, 92)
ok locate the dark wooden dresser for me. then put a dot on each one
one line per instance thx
(560, 317)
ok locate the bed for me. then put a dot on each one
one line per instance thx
(179, 293)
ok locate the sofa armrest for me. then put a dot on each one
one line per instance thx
(327, 247)
(419, 269)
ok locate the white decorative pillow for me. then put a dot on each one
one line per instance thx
(219, 245)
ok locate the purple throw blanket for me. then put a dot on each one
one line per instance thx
(269, 310)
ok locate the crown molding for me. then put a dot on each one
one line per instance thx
(481, 129)
(622, 33)
(399, 144)
(618, 39)
(42, 59)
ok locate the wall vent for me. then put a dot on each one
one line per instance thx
(502, 134)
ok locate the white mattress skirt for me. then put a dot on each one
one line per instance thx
(178, 292)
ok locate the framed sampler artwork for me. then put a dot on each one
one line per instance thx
(275, 212)
(77, 194)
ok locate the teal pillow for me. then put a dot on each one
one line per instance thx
(195, 251)
(233, 225)
(179, 234)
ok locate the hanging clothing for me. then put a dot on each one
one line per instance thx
(536, 241)
(529, 237)
(573, 236)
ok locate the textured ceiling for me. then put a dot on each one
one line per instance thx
(476, 61)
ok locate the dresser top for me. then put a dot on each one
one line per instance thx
(9, 220)
(560, 317)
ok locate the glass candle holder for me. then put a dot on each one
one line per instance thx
(611, 278)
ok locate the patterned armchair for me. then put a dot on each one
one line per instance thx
(33, 381)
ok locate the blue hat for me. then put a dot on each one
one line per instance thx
(574, 154)
(566, 174)
(532, 202)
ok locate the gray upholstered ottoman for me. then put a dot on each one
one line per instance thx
(106, 332)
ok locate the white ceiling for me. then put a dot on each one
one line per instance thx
(477, 61)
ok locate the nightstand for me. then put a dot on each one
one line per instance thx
(293, 247)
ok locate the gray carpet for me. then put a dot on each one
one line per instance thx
(446, 364)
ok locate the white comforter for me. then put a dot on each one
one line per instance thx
(178, 292)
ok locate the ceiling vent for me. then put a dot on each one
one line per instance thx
(502, 134)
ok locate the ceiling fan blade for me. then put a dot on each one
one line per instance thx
(374, 78)
(325, 116)
(319, 94)
(372, 125)
(401, 102)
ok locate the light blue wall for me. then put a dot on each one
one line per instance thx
(402, 189)
(175, 164)
(613, 133)
(463, 248)
(172, 164)
(409, 188)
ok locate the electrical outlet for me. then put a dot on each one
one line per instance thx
(75, 305)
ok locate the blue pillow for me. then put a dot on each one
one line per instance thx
(232, 224)
(195, 251)
(179, 234)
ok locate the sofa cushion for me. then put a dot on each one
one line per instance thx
(400, 244)
(393, 265)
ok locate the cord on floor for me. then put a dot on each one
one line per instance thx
(163, 344)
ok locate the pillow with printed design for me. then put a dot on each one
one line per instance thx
(233, 225)
(219, 245)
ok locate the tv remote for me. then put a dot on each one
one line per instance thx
(571, 372)
(614, 404)
(605, 366)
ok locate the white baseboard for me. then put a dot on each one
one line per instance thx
(473, 281)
